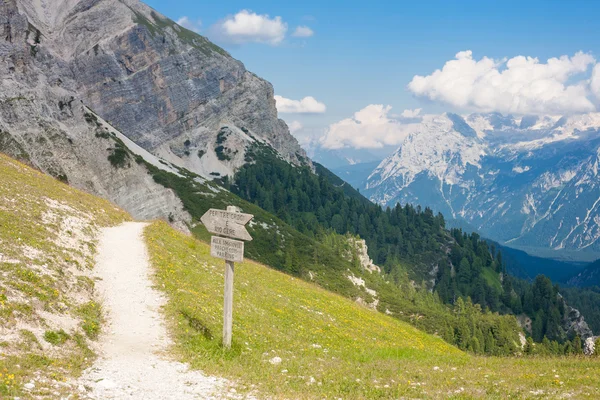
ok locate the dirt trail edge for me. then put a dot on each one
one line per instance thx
(130, 365)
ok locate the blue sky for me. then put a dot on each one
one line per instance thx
(367, 53)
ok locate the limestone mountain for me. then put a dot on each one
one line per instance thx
(77, 75)
(528, 182)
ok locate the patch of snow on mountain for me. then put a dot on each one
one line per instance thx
(529, 205)
(466, 166)
(548, 181)
(479, 123)
(539, 143)
(558, 129)
(520, 170)
(581, 123)
(545, 122)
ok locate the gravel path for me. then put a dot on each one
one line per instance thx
(130, 365)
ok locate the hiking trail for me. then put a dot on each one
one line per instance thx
(132, 362)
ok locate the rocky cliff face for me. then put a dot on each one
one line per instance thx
(574, 324)
(170, 91)
(43, 123)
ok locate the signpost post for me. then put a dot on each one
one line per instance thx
(230, 223)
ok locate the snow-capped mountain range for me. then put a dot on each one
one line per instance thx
(527, 181)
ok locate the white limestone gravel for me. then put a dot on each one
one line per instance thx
(132, 362)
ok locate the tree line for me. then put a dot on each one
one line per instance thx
(466, 269)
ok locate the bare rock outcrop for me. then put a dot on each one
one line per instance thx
(359, 246)
(589, 345)
(574, 324)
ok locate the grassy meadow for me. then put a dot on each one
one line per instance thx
(292, 339)
(47, 312)
(295, 340)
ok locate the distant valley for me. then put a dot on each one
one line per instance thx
(356, 174)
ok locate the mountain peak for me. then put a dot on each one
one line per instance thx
(441, 146)
(461, 126)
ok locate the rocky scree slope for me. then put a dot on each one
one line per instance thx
(528, 182)
(170, 91)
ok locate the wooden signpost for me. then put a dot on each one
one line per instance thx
(230, 223)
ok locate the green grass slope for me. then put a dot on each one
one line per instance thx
(322, 258)
(330, 347)
(47, 311)
(271, 235)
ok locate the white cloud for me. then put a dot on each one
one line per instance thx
(308, 105)
(187, 23)
(295, 126)
(372, 127)
(247, 26)
(595, 83)
(303, 32)
(520, 85)
(411, 113)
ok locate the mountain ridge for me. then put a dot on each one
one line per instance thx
(535, 186)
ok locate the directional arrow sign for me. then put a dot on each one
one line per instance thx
(227, 223)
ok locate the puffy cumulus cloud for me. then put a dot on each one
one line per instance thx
(295, 126)
(247, 26)
(187, 23)
(595, 82)
(411, 113)
(372, 127)
(520, 85)
(308, 105)
(303, 32)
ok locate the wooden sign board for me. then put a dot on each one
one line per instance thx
(227, 223)
(227, 249)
